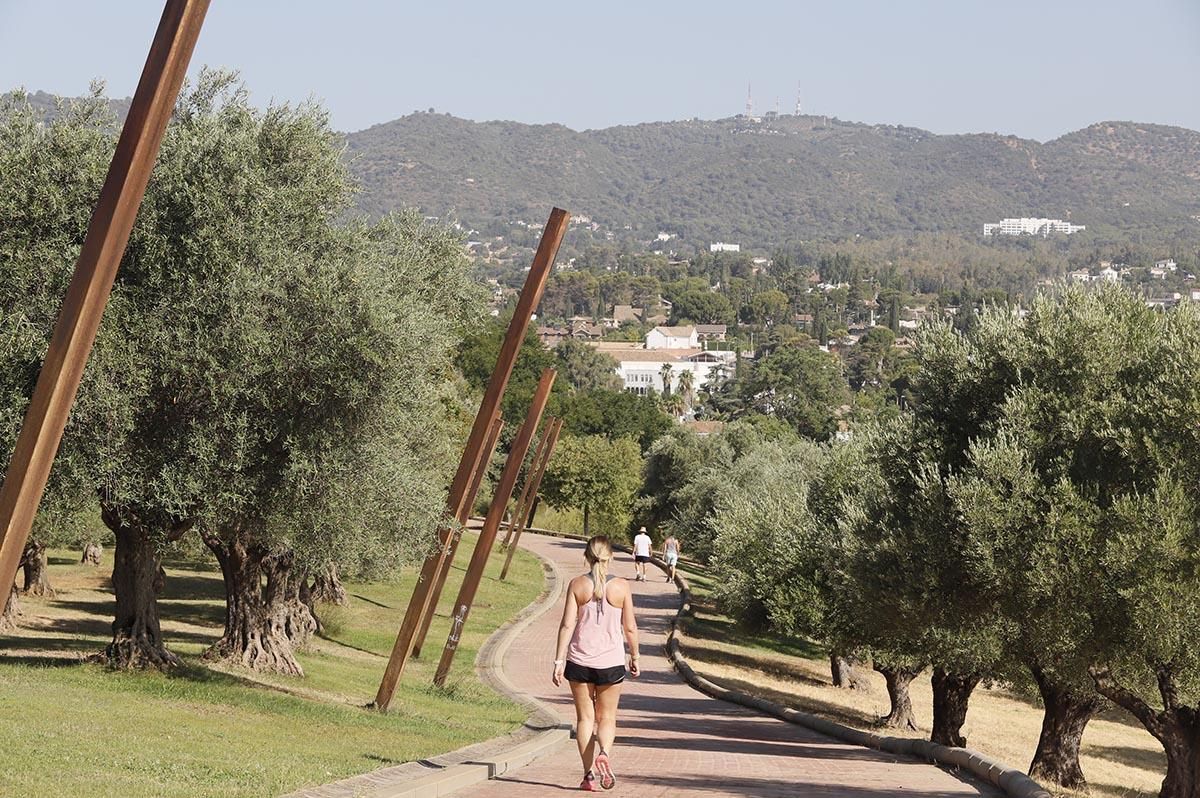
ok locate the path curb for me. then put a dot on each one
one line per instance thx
(551, 730)
(1013, 782)
(488, 665)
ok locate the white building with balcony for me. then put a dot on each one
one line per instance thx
(1026, 226)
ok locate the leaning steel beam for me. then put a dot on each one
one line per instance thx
(435, 595)
(491, 525)
(526, 516)
(103, 247)
(523, 501)
(531, 294)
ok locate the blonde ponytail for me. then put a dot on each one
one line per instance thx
(598, 553)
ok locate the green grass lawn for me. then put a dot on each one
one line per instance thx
(78, 729)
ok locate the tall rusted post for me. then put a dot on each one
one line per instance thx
(489, 451)
(436, 594)
(491, 524)
(523, 501)
(524, 519)
(103, 247)
(531, 294)
(529, 490)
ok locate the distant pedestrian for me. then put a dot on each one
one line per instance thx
(597, 622)
(671, 556)
(641, 553)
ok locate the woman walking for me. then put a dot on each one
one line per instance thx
(671, 556)
(597, 622)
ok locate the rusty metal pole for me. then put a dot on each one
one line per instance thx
(489, 449)
(435, 595)
(531, 295)
(103, 247)
(526, 516)
(523, 501)
(491, 524)
(530, 488)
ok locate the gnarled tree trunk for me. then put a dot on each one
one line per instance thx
(1176, 726)
(12, 611)
(327, 586)
(951, 695)
(1065, 716)
(137, 579)
(265, 617)
(900, 714)
(91, 554)
(33, 563)
(843, 671)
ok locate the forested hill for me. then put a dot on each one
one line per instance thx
(782, 178)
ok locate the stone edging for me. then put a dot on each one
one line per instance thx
(1013, 782)
(547, 728)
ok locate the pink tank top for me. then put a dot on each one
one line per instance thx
(598, 641)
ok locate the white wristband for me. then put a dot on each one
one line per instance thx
(560, 662)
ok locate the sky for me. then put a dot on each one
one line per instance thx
(1033, 68)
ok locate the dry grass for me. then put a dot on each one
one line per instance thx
(1120, 759)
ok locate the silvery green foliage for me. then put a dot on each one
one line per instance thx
(50, 176)
(769, 551)
(263, 365)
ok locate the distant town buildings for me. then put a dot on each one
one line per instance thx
(1031, 227)
(721, 246)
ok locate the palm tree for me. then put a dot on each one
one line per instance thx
(666, 371)
(673, 405)
(687, 388)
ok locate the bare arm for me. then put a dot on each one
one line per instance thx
(629, 626)
(566, 628)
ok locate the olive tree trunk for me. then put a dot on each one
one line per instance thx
(138, 579)
(266, 619)
(1176, 726)
(1066, 713)
(900, 713)
(12, 610)
(33, 563)
(91, 554)
(843, 671)
(327, 587)
(951, 695)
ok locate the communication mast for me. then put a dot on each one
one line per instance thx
(749, 101)
(797, 98)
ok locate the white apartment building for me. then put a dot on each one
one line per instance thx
(1026, 226)
(723, 247)
(641, 369)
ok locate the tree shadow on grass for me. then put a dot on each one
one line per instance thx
(773, 668)
(1140, 758)
(816, 706)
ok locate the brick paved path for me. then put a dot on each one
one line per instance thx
(672, 740)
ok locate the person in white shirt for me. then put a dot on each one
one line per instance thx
(641, 553)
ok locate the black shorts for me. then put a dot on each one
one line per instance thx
(596, 676)
(640, 558)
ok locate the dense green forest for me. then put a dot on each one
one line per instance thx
(782, 179)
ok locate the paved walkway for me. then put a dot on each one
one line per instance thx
(672, 740)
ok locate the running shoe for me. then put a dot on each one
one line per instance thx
(589, 783)
(604, 769)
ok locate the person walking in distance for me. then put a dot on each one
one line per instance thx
(597, 623)
(641, 553)
(671, 556)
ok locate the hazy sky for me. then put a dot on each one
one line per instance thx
(1036, 68)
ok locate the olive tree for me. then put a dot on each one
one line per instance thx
(50, 174)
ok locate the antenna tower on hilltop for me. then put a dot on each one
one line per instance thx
(797, 98)
(749, 101)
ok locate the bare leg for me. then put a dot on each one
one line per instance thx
(585, 721)
(607, 697)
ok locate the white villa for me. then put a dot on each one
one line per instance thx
(640, 366)
(673, 338)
